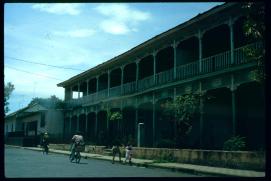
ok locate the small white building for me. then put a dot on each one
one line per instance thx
(34, 120)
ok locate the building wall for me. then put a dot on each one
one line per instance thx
(54, 123)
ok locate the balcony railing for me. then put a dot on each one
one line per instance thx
(129, 88)
(102, 94)
(164, 77)
(146, 83)
(91, 97)
(210, 64)
(115, 91)
(188, 70)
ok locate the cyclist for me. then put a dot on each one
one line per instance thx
(77, 140)
(45, 143)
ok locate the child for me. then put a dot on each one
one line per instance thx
(128, 155)
(116, 150)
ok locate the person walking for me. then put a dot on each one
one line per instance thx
(128, 155)
(115, 151)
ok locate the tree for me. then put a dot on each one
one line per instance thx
(52, 102)
(254, 28)
(181, 111)
(9, 87)
(116, 117)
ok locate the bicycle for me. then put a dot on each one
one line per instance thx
(76, 154)
(45, 149)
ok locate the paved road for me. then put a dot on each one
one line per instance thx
(21, 163)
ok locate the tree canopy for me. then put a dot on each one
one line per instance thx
(254, 27)
(52, 102)
(9, 87)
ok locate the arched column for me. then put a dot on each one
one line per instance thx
(153, 119)
(174, 45)
(230, 24)
(137, 73)
(200, 34)
(154, 66)
(108, 83)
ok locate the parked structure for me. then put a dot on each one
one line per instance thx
(33, 120)
(204, 54)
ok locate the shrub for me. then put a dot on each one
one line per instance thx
(235, 143)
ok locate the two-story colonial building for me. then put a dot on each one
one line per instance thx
(206, 54)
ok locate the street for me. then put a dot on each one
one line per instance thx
(22, 163)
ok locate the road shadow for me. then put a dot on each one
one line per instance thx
(84, 163)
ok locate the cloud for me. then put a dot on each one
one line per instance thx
(59, 8)
(120, 18)
(80, 33)
(114, 27)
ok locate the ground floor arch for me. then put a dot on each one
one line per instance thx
(145, 115)
(91, 126)
(250, 115)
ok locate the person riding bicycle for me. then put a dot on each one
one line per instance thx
(77, 140)
(45, 143)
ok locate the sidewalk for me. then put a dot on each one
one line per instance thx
(196, 169)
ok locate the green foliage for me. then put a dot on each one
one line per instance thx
(182, 110)
(254, 25)
(9, 87)
(52, 102)
(254, 28)
(115, 116)
(235, 143)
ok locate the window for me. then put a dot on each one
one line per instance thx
(42, 119)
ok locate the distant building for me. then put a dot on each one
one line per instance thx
(33, 120)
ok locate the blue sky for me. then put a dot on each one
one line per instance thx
(78, 36)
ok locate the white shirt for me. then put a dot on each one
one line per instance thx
(77, 138)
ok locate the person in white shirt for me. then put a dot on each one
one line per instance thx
(76, 140)
(128, 155)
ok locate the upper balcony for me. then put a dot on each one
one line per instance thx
(224, 61)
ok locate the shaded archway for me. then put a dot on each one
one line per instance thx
(92, 86)
(82, 123)
(91, 118)
(145, 115)
(74, 125)
(129, 124)
(217, 120)
(83, 89)
(146, 67)
(103, 82)
(188, 51)
(164, 126)
(115, 127)
(216, 40)
(164, 59)
(129, 73)
(115, 77)
(102, 128)
(250, 112)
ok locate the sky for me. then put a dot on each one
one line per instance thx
(45, 44)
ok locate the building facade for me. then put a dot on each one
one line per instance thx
(206, 54)
(34, 120)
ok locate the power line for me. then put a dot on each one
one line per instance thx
(60, 67)
(32, 73)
